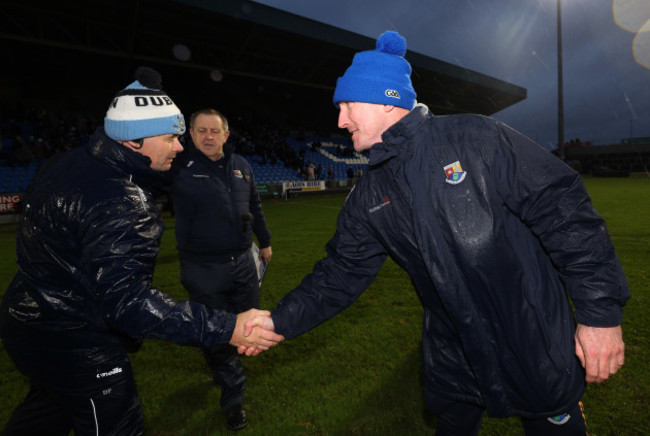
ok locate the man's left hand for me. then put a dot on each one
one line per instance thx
(601, 351)
(266, 253)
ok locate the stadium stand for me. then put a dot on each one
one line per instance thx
(329, 152)
(28, 138)
(18, 178)
(290, 85)
(630, 158)
(246, 58)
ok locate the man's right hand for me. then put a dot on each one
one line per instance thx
(254, 332)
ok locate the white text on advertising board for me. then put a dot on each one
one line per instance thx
(9, 203)
(304, 185)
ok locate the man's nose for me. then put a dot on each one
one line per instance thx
(343, 120)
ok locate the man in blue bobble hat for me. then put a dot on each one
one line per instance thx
(494, 232)
(87, 242)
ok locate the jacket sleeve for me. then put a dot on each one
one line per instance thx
(550, 198)
(260, 228)
(353, 259)
(120, 244)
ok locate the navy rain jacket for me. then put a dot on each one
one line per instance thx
(87, 244)
(490, 228)
(209, 211)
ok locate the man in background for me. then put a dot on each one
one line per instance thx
(218, 209)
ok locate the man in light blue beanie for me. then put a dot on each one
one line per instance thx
(494, 231)
(83, 297)
(143, 109)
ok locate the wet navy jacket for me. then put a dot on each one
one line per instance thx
(490, 228)
(211, 206)
(87, 244)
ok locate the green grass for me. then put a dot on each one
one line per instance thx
(360, 372)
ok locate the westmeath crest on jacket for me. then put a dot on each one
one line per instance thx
(454, 173)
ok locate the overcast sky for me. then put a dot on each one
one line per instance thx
(605, 46)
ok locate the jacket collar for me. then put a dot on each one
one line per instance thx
(196, 154)
(121, 159)
(396, 141)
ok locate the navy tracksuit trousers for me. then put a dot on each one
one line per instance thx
(230, 285)
(92, 392)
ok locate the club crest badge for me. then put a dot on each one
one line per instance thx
(238, 174)
(560, 419)
(454, 173)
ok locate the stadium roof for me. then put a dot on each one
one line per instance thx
(244, 57)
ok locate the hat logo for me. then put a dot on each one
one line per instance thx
(156, 101)
(180, 125)
(392, 93)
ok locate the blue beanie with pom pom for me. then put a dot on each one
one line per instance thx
(380, 76)
(143, 109)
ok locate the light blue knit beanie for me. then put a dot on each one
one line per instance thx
(143, 109)
(380, 76)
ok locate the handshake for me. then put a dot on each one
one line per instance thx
(254, 332)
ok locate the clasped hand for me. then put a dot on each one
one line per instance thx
(254, 332)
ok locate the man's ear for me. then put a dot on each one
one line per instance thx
(133, 145)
